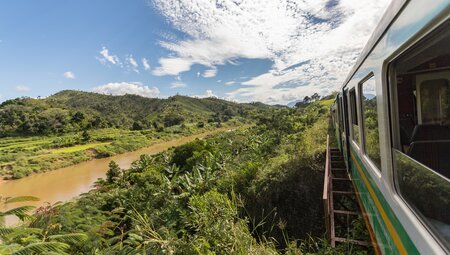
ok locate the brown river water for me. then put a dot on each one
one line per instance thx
(67, 183)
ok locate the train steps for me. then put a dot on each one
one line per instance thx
(340, 201)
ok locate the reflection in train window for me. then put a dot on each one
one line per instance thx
(354, 118)
(422, 131)
(370, 121)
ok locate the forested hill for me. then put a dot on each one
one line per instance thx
(69, 111)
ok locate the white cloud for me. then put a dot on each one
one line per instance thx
(123, 88)
(229, 83)
(132, 63)
(69, 75)
(172, 66)
(145, 64)
(106, 57)
(208, 93)
(23, 89)
(209, 73)
(312, 43)
(177, 84)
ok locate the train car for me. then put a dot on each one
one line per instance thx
(392, 125)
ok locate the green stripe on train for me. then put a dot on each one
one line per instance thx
(337, 135)
(384, 238)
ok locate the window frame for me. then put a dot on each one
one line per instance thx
(390, 74)
(354, 117)
(362, 126)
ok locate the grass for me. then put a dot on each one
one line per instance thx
(78, 148)
(22, 156)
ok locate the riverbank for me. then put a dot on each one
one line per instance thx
(24, 156)
(64, 184)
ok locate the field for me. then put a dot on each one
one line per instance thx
(22, 156)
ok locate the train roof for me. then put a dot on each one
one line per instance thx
(387, 19)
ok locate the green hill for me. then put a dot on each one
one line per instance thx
(71, 111)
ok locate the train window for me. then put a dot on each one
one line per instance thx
(370, 120)
(341, 125)
(421, 117)
(354, 116)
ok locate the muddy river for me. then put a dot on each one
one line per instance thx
(69, 182)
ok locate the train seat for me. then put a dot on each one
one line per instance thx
(433, 153)
(430, 132)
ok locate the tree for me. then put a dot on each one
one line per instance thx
(137, 125)
(113, 172)
(306, 99)
(78, 117)
(172, 119)
(85, 136)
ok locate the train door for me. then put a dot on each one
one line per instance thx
(345, 131)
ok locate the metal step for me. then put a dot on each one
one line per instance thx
(340, 179)
(358, 242)
(345, 212)
(344, 192)
(337, 177)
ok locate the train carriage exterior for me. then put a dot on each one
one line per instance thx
(392, 124)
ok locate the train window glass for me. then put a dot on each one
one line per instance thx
(354, 116)
(422, 133)
(370, 121)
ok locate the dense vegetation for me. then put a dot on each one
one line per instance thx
(252, 191)
(74, 111)
(73, 126)
(22, 156)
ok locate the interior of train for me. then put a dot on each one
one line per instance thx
(422, 150)
(423, 91)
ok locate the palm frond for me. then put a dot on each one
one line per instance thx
(18, 211)
(10, 200)
(18, 232)
(69, 238)
(43, 248)
(6, 231)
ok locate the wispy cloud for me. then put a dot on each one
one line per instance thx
(107, 57)
(209, 73)
(229, 83)
(145, 64)
(132, 63)
(69, 75)
(178, 84)
(123, 88)
(312, 43)
(23, 89)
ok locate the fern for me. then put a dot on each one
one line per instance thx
(43, 248)
(6, 231)
(12, 233)
(69, 238)
(10, 200)
(18, 211)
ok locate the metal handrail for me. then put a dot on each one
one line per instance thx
(326, 190)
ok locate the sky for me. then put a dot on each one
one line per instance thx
(272, 51)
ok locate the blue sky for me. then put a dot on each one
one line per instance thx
(271, 51)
